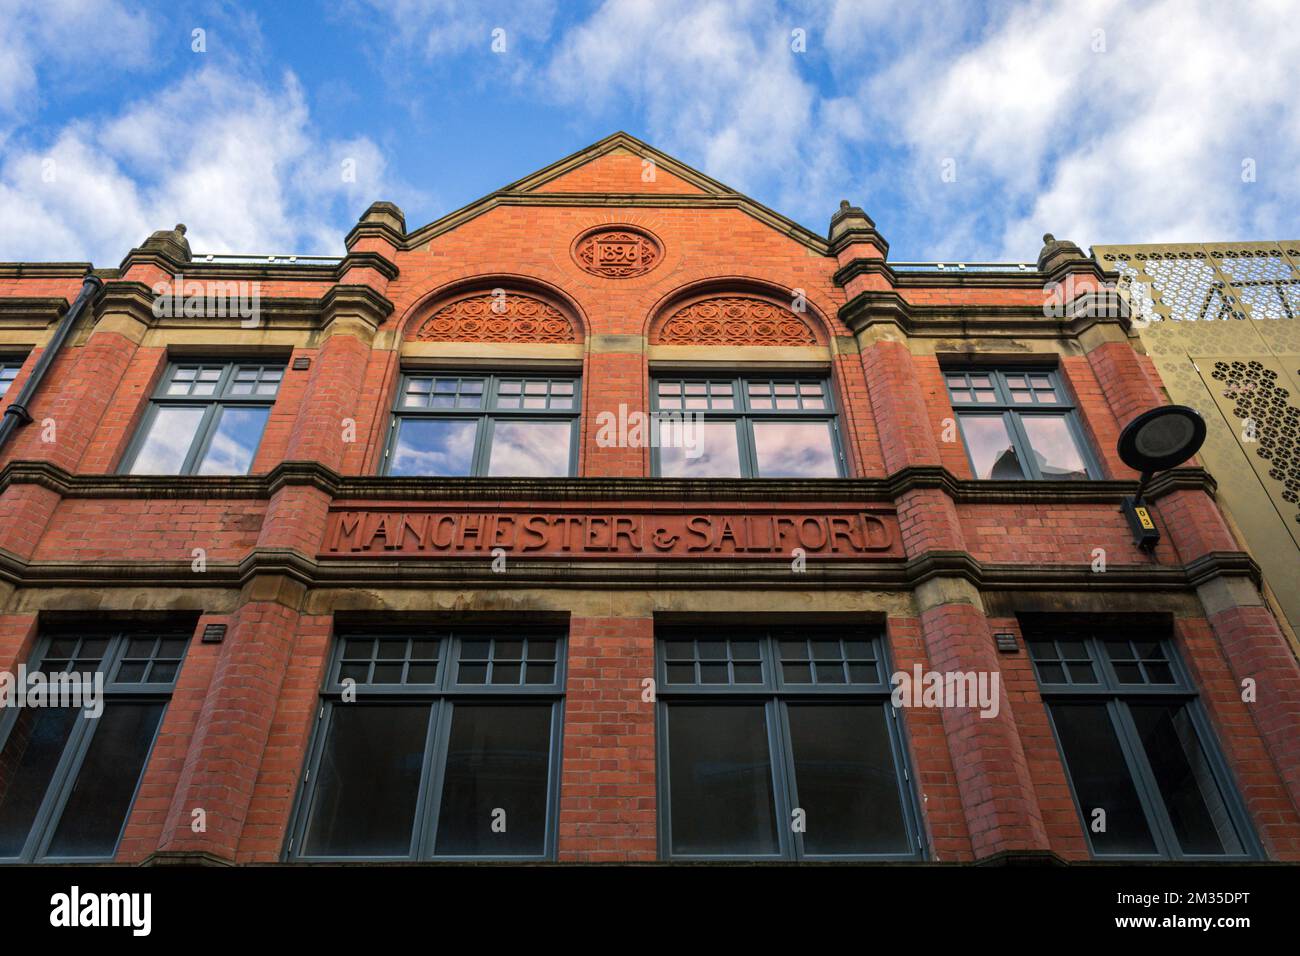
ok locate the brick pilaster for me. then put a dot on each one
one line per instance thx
(993, 776)
(937, 792)
(607, 784)
(1258, 738)
(225, 754)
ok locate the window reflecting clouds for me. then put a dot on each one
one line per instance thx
(795, 450)
(760, 426)
(448, 424)
(530, 449)
(206, 418)
(1019, 424)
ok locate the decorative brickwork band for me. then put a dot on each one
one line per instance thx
(618, 253)
(736, 320)
(497, 317)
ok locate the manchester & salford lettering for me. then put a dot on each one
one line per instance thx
(462, 532)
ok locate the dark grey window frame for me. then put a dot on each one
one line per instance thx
(743, 415)
(1116, 696)
(441, 696)
(1011, 412)
(775, 694)
(8, 362)
(487, 415)
(47, 818)
(212, 405)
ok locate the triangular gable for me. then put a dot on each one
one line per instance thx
(618, 171)
(610, 172)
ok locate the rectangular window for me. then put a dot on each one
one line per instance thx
(503, 425)
(1138, 751)
(1019, 424)
(761, 426)
(435, 744)
(780, 744)
(68, 780)
(206, 418)
(9, 369)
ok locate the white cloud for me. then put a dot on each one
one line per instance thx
(418, 34)
(720, 84)
(77, 41)
(1139, 142)
(239, 163)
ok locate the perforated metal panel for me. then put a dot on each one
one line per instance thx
(1215, 281)
(1221, 322)
(1255, 394)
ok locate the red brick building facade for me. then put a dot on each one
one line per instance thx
(623, 282)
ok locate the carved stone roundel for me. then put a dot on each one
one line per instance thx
(735, 320)
(617, 252)
(497, 317)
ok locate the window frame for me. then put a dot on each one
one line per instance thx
(213, 405)
(743, 415)
(63, 779)
(486, 416)
(15, 362)
(1117, 696)
(441, 697)
(776, 697)
(1011, 412)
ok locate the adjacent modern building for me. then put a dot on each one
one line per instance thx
(616, 517)
(1220, 324)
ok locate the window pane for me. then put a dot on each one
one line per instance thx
(96, 810)
(171, 433)
(235, 442)
(990, 447)
(1054, 447)
(795, 450)
(30, 755)
(712, 445)
(433, 447)
(1101, 779)
(368, 781)
(670, 394)
(846, 779)
(498, 759)
(720, 780)
(530, 449)
(1192, 797)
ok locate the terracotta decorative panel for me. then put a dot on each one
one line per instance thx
(736, 320)
(617, 252)
(497, 317)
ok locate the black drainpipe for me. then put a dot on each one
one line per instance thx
(16, 413)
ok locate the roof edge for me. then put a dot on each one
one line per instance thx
(522, 193)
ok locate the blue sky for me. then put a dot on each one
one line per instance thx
(965, 130)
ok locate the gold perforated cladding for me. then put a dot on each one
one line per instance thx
(1221, 322)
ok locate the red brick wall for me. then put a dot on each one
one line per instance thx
(1259, 739)
(126, 407)
(229, 743)
(1042, 756)
(937, 792)
(271, 806)
(993, 773)
(607, 796)
(146, 827)
(236, 731)
(1057, 534)
(87, 529)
